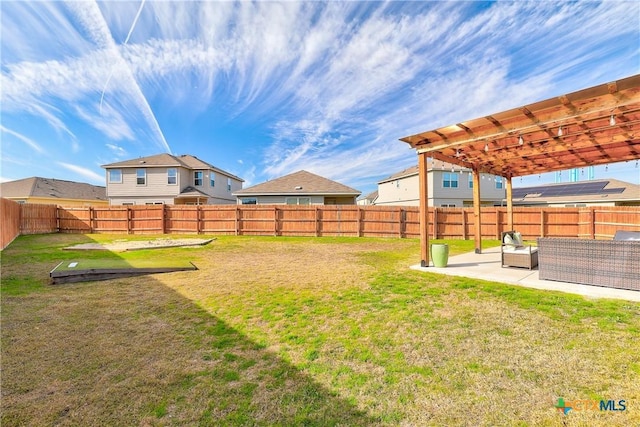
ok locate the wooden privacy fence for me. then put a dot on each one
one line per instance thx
(10, 224)
(20, 219)
(283, 220)
(263, 220)
(350, 220)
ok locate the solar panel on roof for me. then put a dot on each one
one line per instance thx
(573, 189)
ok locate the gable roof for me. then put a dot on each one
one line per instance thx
(582, 191)
(52, 188)
(371, 197)
(186, 161)
(192, 192)
(301, 182)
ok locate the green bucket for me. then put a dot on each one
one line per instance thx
(439, 254)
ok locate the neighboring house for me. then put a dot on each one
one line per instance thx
(169, 179)
(54, 192)
(449, 186)
(602, 192)
(369, 199)
(299, 188)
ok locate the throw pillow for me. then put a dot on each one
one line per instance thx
(517, 238)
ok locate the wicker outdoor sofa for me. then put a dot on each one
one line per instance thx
(610, 263)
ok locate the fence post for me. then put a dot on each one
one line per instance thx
(542, 222)
(435, 222)
(359, 212)
(91, 219)
(275, 220)
(464, 224)
(498, 212)
(163, 218)
(317, 217)
(237, 220)
(400, 222)
(198, 219)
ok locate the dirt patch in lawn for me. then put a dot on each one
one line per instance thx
(132, 245)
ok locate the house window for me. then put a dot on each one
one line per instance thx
(470, 181)
(141, 176)
(228, 184)
(250, 201)
(499, 184)
(298, 201)
(172, 176)
(449, 180)
(198, 178)
(212, 179)
(448, 205)
(115, 176)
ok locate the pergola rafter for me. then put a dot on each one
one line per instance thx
(594, 126)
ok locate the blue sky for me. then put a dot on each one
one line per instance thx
(268, 88)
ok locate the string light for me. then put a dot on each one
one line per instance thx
(486, 148)
(520, 140)
(457, 153)
(612, 120)
(636, 164)
(560, 131)
(606, 168)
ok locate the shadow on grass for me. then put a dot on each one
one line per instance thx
(135, 352)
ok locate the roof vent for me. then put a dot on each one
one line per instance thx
(299, 187)
(142, 161)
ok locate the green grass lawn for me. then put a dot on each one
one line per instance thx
(302, 331)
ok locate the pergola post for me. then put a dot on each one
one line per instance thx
(509, 204)
(476, 210)
(424, 209)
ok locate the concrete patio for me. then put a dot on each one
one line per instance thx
(487, 266)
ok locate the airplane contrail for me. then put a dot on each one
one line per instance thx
(133, 25)
(91, 18)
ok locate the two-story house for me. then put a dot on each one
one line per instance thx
(169, 179)
(449, 186)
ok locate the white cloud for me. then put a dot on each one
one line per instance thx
(337, 83)
(109, 121)
(84, 172)
(118, 151)
(32, 144)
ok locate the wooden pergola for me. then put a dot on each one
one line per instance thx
(593, 126)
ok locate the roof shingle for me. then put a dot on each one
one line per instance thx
(52, 188)
(186, 161)
(301, 182)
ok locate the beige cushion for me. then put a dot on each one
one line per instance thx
(520, 250)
